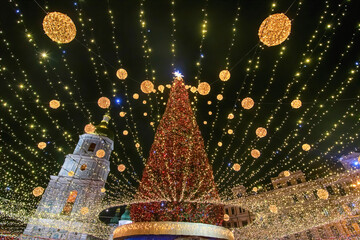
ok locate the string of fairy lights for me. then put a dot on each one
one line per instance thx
(240, 155)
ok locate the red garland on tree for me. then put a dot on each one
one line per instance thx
(178, 183)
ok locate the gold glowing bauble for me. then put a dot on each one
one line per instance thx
(286, 173)
(224, 75)
(230, 131)
(42, 145)
(193, 89)
(322, 194)
(306, 147)
(205, 122)
(275, 29)
(210, 112)
(230, 116)
(168, 85)
(209, 102)
(147, 86)
(54, 104)
(104, 102)
(219, 144)
(38, 191)
(226, 217)
(71, 173)
(103, 190)
(236, 167)
(89, 128)
(135, 96)
(204, 88)
(296, 104)
(122, 114)
(247, 103)
(273, 209)
(255, 189)
(121, 168)
(219, 97)
(145, 114)
(121, 74)
(125, 132)
(255, 153)
(59, 27)
(100, 153)
(137, 145)
(144, 102)
(84, 210)
(261, 132)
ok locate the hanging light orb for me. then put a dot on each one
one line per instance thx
(38, 191)
(219, 97)
(104, 102)
(255, 189)
(125, 132)
(59, 27)
(147, 86)
(41, 145)
(122, 114)
(255, 153)
(210, 112)
(193, 89)
(121, 74)
(204, 88)
(261, 132)
(168, 85)
(161, 88)
(100, 153)
(322, 194)
(121, 168)
(135, 96)
(71, 173)
(145, 114)
(230, 116)
(205, 122)
(224, 75)
(306, 147)
(89, 128)
(220, 144)
(286, 173)
(54, 104)
(236, 167)
(209, 102)
(226, 217)
(273, 209)
(275, 29)
(296, 103)
(102, 190)
(84, 210)
(137, 145)
(247, 103)
(230, 131)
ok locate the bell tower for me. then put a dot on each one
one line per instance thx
(73, 194)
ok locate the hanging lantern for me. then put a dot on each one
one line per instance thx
(230, 131)
(54, 104)
(84, 210)
(273, 209)
(59, 27)
(137, 145)
(255, 153)
(209, 102)
(275, 29)
(147, 86)
(161, 88)
(205, 122)
(219, 144)
(42, 145)
(193, 89)
(236, 167)
(100, 153)
(122, 114)
(102, 190)
(261, 132)
(71, 173)
(204, 88)
(255, 189)
(219, 97)
(296, 104)
(247, 103)
(145, 114)
(224, 75)
(121, 74)
(230, 116)
(322, 194)
(210, 112)
(306, 147)
(136, 96)
(121, 168)
(104, 102)
(286, 173)
(89, 128)
(38, 191)
(226, 217)
(125, 132)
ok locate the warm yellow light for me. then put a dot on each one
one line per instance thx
(275, 29)
(204, 88)
(121, 74)
(255, 153)
(236, 167)
(147, 86)
(59, 27)
(224, 75)
(89, 128)
(261, 132)
(121, 168)
(247, 103)
(54, 104)
(104, 102)
(100, 153)
(38, 191)
(42, 145)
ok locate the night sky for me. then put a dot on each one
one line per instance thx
(323, 48)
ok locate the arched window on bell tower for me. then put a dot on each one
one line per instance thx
(69, 203)
(92, 147)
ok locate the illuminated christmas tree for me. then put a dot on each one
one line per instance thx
(178, 183)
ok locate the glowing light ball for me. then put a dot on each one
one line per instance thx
(147, 86)
(193, 89)
(210, 112)
(145, 114)
(296, 103)
(121, 168)
(137, 145)
(247, 103)
(209, 102)
(54, 104)
(89, 128)
(255, 189)
(100, 153)
(236, 167)
(136, 96)
(220, 144)
(104, 102)
(59, 27)
(322, 194)
(125, 132)
(102, 190)
(226, 217)
(255, 153)
(168, 85)
(273, 209)
(122, 114)
(230, 131)
(261, 132)
(121, 74)
(84, 210)
(38, 191)
(161, 88)
(224, 75)
(286, 173)
(219, 97)
(71, 173)
(230, 116)
(306, 147)
(42, 145)
(275, 29)
(205, 122)
(204, 88)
